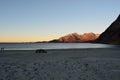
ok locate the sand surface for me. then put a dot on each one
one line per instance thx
(64, 64)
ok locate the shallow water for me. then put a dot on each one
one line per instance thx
(33, 46)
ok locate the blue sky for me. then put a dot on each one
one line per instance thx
(38, 20)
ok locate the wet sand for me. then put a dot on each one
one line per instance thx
(61, 64)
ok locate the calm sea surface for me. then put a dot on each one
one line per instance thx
(33, 46)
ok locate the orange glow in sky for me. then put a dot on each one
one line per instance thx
(44, 20)
(26, 38)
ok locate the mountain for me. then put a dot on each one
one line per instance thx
(112, 34)
(75, 37)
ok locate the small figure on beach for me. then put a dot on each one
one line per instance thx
(40, 51)
(2, 50)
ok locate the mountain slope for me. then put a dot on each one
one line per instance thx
(75, 37)
(111, 34)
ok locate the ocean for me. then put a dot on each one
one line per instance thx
(34, 46)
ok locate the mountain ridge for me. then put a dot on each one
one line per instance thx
(110, 36)
(77, 38)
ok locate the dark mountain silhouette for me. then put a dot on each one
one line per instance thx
(75, 37)
(112, 34)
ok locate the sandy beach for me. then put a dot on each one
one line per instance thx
(61, 64)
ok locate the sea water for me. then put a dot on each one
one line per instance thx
(33, 46)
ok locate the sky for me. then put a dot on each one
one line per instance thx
(44, 20)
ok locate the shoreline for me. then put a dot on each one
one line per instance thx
(69, 49)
